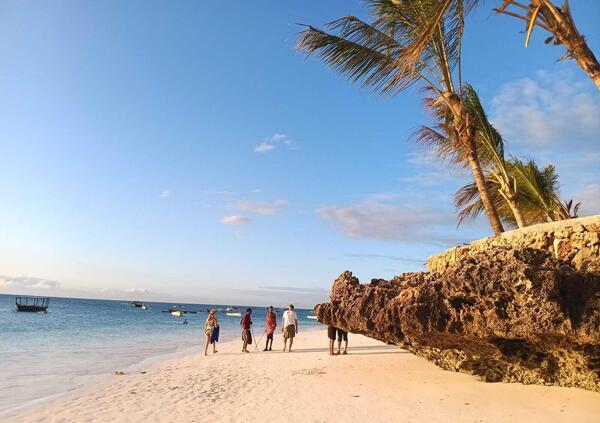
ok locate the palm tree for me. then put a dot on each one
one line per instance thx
(409, 42)
(491, 152)
(558, 21)
(537, 190)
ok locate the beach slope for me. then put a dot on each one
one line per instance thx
(374, 382)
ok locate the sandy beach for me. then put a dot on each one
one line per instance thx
(374, 382)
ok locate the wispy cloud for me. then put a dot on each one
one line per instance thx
(262, 207)
(137, 291)
(235, 220)
(27, 282)
(273, 141)
(384, 221)
(384, 256)
(377, 217)
(165, 193)
(547, 109)
(294, 289)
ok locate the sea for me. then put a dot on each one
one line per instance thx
(80, 341)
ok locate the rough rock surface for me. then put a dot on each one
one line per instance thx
(576, 241)
(504, 314)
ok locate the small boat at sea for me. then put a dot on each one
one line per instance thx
(311, 316)
(32, 304)
(233, 311)
(178, 311)
(139, 304)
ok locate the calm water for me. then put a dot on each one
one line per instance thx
(79, 340)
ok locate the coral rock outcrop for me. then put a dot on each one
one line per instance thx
(501, 313)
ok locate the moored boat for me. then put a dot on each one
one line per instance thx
(178, 311)
(32, 304)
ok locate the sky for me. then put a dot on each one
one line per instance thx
(184, 151)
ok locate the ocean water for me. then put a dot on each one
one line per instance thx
(80, 340)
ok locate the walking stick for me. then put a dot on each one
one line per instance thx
(261, 337)
(254, 337)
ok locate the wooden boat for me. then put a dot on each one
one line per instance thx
(32, 304)
(233, 311)
(178, 311)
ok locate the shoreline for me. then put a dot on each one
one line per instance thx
(95, 379)
(91, 380)
(373, 380)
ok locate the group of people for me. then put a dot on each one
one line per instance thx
(289, 327)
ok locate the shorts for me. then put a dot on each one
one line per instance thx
(247, 336)
(331, 332)
(342, 335)
(270, 335)
(289, 332)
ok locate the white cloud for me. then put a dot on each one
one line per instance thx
(377, 217)
(235, 220)
(137, 291)
(263, 147)
(273, 141)
(262, 207)
(549, 109)
(165, 193)
(384, 221)
(27, 282)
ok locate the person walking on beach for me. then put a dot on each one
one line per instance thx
(270, 325)
(289, 325)
(342, 335)
(331, 332)
(211, 330)
(246, 330)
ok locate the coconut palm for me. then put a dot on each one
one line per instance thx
(537, 190)
(558, 21)
(410, 42)
(491, 152)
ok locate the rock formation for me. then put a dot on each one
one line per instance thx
(502, 313)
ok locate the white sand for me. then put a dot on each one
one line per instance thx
(374, 383)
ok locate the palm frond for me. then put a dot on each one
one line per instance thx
(490, 144)
(370, 62)
(467, 201)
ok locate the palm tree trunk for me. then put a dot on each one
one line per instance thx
(514, 207)
(580, 51)
(490, 208)
(562, 26)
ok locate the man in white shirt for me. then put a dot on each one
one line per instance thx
(289, 325)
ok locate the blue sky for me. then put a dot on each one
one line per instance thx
(184, 150)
